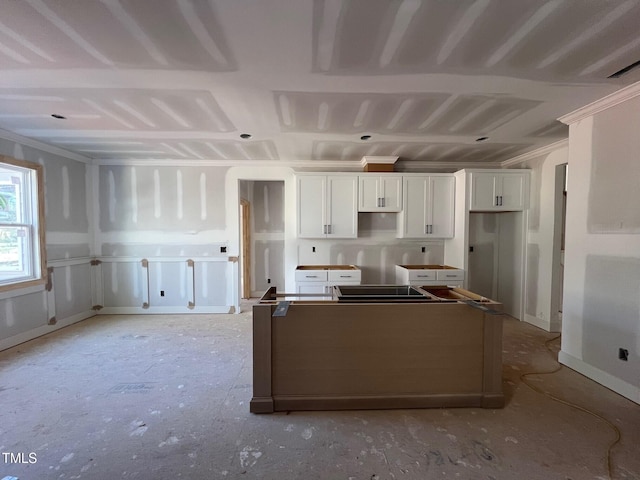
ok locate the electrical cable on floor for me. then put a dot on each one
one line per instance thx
(615, 429)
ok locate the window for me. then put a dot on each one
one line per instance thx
(22, 255)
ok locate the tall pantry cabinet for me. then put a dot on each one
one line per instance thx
(490, 243)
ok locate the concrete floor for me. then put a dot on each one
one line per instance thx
(165, 397)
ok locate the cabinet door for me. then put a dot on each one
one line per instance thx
(342, 206)
(440, 210)
(311, 206)
(312, 287)
(380, 193)
(414, 215)
(512, 191)
(483, 191)
(368, 193)
(428, 207)
(391, 193)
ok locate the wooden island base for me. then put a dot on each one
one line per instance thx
(335, 356)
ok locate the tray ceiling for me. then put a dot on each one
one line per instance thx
(183, 79)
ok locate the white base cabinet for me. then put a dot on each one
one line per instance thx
(320, 279)
(429, 275)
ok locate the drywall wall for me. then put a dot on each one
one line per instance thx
(174, 218)
(142, 199)
(542, 279)
(493, 269)
(455, 249)
(27, 313)
(613, 192)
(482, 273)
(510, 266)
(611, 287)
(601, 313)
(376, 251)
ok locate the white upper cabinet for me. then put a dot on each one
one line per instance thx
(327, 206)
(380, 193)
(428, 207)
(491, 191)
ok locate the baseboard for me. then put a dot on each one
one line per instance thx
(632, 392)
(379, 402)
(537, 322)
(43, 330)
(261, 405)
(164, 310)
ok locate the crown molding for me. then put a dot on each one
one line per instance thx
(425, 166)
(45, 147)
(298, 165)
(334, 165)
(539, 152)
(619, 96)
(387, 160)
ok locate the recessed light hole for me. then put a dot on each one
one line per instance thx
(245, 136)
(365, 137)
(482, 139)
(58, 116)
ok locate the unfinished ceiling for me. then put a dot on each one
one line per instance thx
(181, 80)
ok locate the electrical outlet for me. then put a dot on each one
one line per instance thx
(423, 249)
(623, 354)
(162, 293)
(223, 249)
(268, 280)
(313, 249)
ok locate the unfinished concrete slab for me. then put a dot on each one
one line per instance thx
(167, 396)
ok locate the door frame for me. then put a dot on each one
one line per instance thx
(557, 277)
(245, 244)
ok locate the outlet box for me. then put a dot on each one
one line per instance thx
(223, 249)
(423, 249)
(623, 354)
(162, 293)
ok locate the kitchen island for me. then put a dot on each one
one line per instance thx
(352, 352)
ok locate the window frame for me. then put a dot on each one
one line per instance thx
(37, 221)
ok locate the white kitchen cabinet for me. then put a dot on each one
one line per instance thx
(311, 281)
(320, 278)
(327, 206)
(428, 207)
(429, 275)
(492, 191)
(380, 193)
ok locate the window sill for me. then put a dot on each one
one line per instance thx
(22, 288)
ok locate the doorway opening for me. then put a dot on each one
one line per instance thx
(261, 236)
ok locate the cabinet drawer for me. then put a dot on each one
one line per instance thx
(311, 275)
(312, 287)
(421, 275)
(450, 275)
(342, 276)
